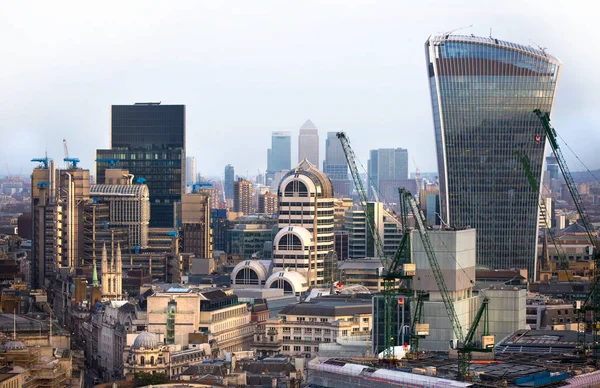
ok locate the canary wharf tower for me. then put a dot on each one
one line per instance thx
(483, 93)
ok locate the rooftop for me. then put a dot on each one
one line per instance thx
(326, 308)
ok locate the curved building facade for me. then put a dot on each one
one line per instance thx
(305, 241)
(483, 93)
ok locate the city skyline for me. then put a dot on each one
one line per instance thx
(374, 94)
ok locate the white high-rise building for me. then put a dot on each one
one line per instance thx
(191, 170)
(305, 241)
(308, 143)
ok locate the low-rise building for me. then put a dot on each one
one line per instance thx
(300, 328)
(178, 313)
(147, 353)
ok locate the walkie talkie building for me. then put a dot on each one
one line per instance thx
(483, 93)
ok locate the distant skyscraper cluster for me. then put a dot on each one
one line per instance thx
(483, 93)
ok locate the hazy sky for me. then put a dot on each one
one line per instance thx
(247, 68)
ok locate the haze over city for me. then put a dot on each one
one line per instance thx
(299, 194)
(244, 69)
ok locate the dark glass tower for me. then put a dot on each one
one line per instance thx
(483, 93)
(148, 139)
(229, 178)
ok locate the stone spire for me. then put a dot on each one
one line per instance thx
(95, 275)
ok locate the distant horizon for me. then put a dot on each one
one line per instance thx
(246, 70)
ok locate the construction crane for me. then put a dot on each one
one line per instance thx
(465, 345)
(592, 302)
(111, 162)
(562, 258)
(73, 161)
(397, 268)
(44, 161)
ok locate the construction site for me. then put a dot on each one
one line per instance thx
(433, 327)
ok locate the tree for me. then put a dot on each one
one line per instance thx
(143, 378)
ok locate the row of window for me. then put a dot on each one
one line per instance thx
(286, 348)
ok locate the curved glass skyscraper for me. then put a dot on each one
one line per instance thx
(483, 93)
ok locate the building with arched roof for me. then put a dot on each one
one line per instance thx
(291, 282)
(305, 241)
(251, 272)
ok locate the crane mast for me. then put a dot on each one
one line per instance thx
(435, 266)
(592, 302)
(390, 272)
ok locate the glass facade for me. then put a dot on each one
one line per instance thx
(386, 166)
(280, 153)
(335, 165)
(229, 178)
(148, 139)
(483, 94)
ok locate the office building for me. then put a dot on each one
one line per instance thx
(218, 226)
(228, 181)
(429, 201)
(242, 196)
(301, 328)
(335, 166)
(308, 143)
(191, 171)
(46, 216)
(388, 170)
(179, 314)
(361, 240)
(128, 207)
(267, 203)
(57, 208)
(148, 140)
(305, 241)
(483, 93)
(195, 225)
(252, 236)
(279, 156)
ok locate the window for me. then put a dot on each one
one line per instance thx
(308, 330)
(307, 338)
(312, 319)
(297, 338)
(344, 333)
(307, 348)
(327, 339)
(286, 329)
(286, 337)
(316, 349)
(365, 320)
(302, 319)
(296, 348)
(286, 348)
(324, 320)
(317, 331)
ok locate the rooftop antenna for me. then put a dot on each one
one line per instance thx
(14, 324)
(448, 33)
(491, 33)
(542, 49)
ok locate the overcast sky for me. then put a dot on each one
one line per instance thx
(247, 68)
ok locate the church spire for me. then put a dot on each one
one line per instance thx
(95, 275)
